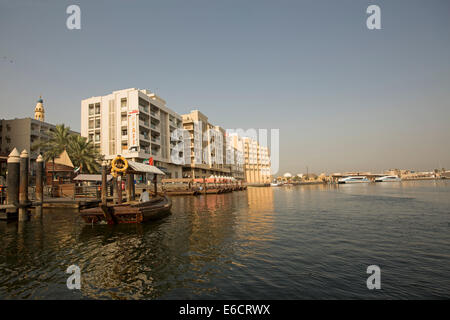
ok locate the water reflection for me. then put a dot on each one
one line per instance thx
(259, 243)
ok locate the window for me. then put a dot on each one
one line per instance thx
(123, 102)
(91, 109)
(91, 137)
(97, 122)
(97, 137)
(91, 124)
(124, 132)
(97, 108)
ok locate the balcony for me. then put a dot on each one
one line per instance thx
(144, 137)
(144, 109)
(143, 123)
(156, 140)
(154, 114)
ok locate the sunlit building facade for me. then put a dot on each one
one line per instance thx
(134, 123)
(207, 147)
(256, 162)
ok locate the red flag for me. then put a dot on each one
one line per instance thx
(150, 161)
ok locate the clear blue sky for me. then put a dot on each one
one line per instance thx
(344, 97)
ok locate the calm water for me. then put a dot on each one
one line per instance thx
(265, 243)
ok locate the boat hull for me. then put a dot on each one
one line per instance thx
(349, 182)
(128, 212)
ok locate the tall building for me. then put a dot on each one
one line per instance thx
(235, 155)
(26, 132)
(206, 152)
(256, 162)
(134, 123)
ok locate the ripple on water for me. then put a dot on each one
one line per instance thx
(297, 243)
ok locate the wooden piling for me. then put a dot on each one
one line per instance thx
(155, 182)
(119, 189)
(39, 185)
(104, 183)
(23, 186)
(133, 187)
(128, 187)
(13, 165)
(115, 192)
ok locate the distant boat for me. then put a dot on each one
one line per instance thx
(275, 184)
(356, 179)
(388, 179)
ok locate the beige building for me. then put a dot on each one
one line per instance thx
(206, 143)
(256, 162)
(235, 155)
(26, 132)
(134, 123)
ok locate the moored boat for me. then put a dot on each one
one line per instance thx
(130, 212)
(388, 179)
(354, 179)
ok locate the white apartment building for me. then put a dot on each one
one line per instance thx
(257, 165)
(206, 152)
(134, 123)
(235, 155)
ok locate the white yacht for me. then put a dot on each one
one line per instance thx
(355, 179)
(275, 183)
(388, 179)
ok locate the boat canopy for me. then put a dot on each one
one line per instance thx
(91, 177)
(144, 168)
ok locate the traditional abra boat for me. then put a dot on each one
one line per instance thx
(131, 211)
(179, 187)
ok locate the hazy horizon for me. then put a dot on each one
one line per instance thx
(343, 97)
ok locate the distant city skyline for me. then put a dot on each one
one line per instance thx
(343, 97)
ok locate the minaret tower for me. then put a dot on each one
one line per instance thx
(39, 110)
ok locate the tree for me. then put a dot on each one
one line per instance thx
(57, 143)
(83, 154)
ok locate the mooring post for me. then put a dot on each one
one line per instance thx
(115, 192)
(155, 180)
(119, 189)
(13, 178)
(204, 185)
(104, 183)
(133, 187)
(129, 187)
(39, 185)
(23, 186)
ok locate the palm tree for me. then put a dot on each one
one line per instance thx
(57, 143)
(83, 154)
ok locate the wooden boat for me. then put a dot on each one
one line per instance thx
(213, 191)
(182, 192)
(130, 212)
(179, 187)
